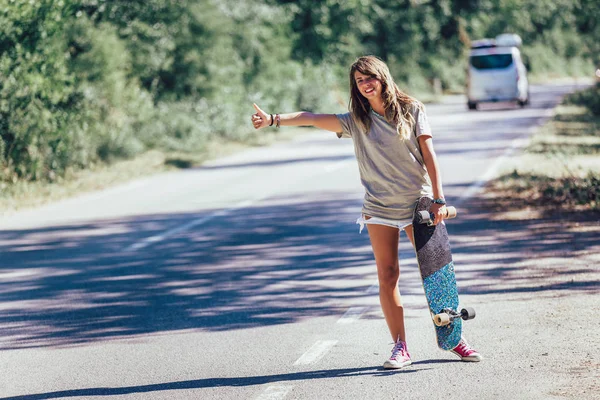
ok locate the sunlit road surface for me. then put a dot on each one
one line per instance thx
(247, 279)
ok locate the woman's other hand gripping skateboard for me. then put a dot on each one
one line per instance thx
(439, 212)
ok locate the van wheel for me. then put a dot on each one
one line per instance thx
(472, 105)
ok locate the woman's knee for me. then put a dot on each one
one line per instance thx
(388, 275)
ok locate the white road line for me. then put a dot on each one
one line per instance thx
(274, 392)
(316, 352)
(493, 169)
(158, 238)
(353, 314)
(373, 289)
(221, 213)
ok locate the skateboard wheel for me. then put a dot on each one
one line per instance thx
(424, 217)
(451, 212)
(467, 313)
(442, 319)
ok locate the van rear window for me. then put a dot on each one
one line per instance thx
(491, 61)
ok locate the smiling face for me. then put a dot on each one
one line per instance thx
(372, 88)
(368, 85)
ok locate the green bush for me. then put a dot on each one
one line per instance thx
(91, 81)
(177, 126)
(566, 191)
(117, 107)
(589, 98)
(573, 191)
(37, 94)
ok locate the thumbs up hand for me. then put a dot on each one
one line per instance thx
(261, 118)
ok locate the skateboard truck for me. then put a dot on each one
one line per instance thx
(447, 315)
(425, 217)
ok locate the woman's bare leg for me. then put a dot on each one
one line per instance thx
(384, 240)
(410, 234)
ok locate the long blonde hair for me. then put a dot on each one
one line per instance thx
(397, 104)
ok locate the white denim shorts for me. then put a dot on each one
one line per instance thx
(400, 224)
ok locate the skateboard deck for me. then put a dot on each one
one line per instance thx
(437, 271)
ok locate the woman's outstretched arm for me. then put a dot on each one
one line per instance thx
(328, 122)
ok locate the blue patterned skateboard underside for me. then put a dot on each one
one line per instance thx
(441, 292)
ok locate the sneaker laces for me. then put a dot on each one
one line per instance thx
(399, 350)
(463, 347)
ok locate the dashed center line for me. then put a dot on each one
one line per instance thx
(316, 352)
(221, 213)
(159, 238)
(353, 314)
(374, 289)
(275, 392)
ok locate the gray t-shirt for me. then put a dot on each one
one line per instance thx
(392, 170)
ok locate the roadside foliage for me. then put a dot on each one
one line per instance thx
(84, 82)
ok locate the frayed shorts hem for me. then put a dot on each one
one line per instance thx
(400, 224)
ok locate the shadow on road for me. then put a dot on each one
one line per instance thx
(279, 263)
(253, 267)
(275, 163)
(217, 382)
(526, 251)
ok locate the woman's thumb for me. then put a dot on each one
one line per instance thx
(258, 110)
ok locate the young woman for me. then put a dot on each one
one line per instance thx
(397, 164)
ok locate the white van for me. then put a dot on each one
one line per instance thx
(496, 72)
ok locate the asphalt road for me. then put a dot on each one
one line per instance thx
(247, 279)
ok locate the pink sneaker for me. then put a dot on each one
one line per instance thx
(400, 357)
(466, 352)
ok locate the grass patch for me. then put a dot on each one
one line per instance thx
(23, 194)
(559, 169)
(539, 190)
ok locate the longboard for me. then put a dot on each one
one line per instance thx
(436, 265)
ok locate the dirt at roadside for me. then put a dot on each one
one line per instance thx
(534, 238)
(507, 204)
(546, 264)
